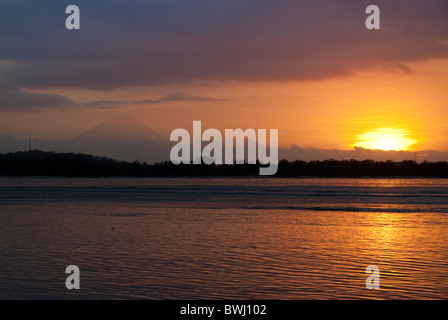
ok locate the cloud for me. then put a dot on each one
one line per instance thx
(106, 104)
(17, 100)
(153, 42)
(177, 97)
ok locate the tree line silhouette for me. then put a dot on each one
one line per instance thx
(40, 163)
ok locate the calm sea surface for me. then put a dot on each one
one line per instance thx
(219, 238)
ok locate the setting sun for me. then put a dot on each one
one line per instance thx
(385, 139)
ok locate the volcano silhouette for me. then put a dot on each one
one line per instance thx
(122, 138)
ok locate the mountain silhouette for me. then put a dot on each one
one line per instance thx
(119, 138)
(122, 138)
(121, 128)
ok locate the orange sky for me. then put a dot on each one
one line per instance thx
(327, 114)
(311, 70)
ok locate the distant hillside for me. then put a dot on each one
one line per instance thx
(40, 163)
(120, 138)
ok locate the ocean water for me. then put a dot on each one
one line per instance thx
(223, 238)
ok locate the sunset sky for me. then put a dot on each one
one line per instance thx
(308, 68)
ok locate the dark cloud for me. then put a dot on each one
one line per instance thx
(134, 43)
(17, 100)
(177, 97)
(103, 103)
